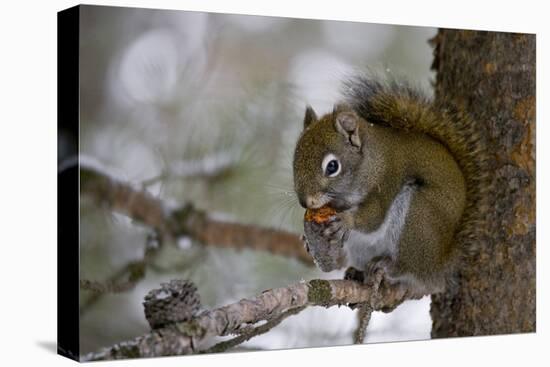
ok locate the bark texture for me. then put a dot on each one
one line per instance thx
(491, 75)
(273, 305)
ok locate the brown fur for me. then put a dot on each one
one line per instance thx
(399, 106)
(404, 140)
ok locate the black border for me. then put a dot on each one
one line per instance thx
(68, 340)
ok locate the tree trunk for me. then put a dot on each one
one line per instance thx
(492, 76)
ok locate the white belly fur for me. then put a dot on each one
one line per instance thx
(362, 247)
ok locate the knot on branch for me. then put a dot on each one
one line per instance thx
(176, 301)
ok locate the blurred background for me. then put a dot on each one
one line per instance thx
(206, 108)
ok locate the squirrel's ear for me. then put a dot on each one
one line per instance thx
(347, 124)
(309, 117)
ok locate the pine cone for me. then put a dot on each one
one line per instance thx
(176, 301)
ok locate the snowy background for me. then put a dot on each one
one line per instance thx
(207, 108)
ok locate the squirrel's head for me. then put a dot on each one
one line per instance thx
(327, 157)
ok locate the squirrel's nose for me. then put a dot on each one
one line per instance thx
(314, 201)
(311, 201)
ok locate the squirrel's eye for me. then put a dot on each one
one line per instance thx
(331, 165)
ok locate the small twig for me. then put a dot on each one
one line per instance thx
(251, 332)
(363, 316)
(133, 272)
(105, 287)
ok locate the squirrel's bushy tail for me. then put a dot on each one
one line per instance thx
(396, 104)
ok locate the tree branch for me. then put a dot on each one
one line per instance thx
(187, 220)
(190, 337)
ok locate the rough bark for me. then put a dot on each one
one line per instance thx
(491, 75)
